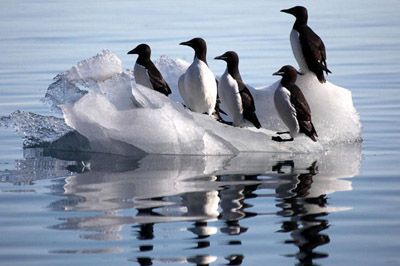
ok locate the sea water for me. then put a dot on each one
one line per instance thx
(336, 208)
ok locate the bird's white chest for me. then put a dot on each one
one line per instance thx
(297, 51)
(231, 100)
(286, 110)
(141, 76)
(198, 88)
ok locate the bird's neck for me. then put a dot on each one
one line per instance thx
(143, 60)
(287, 82)
(300, 22)
(201, 55)
(233, 70)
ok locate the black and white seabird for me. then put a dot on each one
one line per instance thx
(197, 85)
(146, 73)
(292, 106)
(307, 46)
(234, 93)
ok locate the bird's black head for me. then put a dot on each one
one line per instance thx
(288, 73)
(230, 57)
(143, 50)
(199, 46)
(232, 60)
(300, 12)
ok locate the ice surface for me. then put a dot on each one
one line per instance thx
(163, 126)
(100, 67)
(71, 85)
(102, 102)
(171, 70)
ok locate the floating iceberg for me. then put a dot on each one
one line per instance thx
(101, 101)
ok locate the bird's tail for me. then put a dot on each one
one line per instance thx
(218, 111)
(320, 73)
(252, 117)
(307, 127)
(325, 68)
(312, 133)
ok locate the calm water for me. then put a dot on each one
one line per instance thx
(337, 208)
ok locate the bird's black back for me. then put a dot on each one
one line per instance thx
(303, 111)
(249, 109)
(156, 79)
(314, 52)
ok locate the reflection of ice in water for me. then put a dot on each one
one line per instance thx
(37, 164)
(177, 188)
(106, 193)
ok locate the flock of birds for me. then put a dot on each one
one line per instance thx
(201, 92)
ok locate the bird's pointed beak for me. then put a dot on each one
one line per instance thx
(133, 51)
(220, 57)
(185, 43)
(299, 73)
(277, 73)
(288, 11)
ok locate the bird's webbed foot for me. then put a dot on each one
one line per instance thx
(283, 132)
(279, 139)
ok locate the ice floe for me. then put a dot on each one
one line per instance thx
(100, 100)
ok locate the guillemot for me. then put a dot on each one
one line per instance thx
(234, 93)
(197, 85)
(292, 106)
(307, 46)
(146, 73)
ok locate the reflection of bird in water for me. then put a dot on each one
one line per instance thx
(201, 204)
(144, 261)
(233, 202)
(79, 167)
(202, 230)
(236, 259)
(145, 232)
(202, 260)
(303, 215)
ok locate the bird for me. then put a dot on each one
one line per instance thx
(198, 86)
(307, 46)
(292, 106)
(234, 93)
(146, 73)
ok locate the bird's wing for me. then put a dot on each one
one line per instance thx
(299, 102)
(247, 98)
(249, 109)
(303, 112)
(313, 48)
(157, 80)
